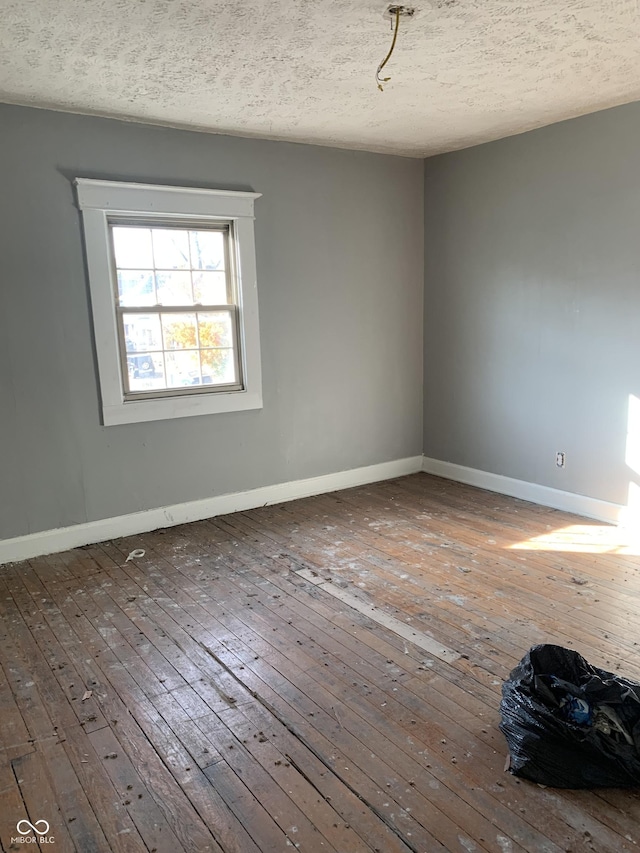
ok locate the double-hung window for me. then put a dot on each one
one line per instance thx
(173, 290)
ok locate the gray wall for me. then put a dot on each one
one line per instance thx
(339, 241)
(532, 303)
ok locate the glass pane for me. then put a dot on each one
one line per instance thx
(210, 288)
(182, 368)
(174, 288)
(132, 247)
(142, 332)
(215, 329)
(171, 249)
(207, 250)
(136, 288)
(218, 367)
(179, 331)
(146, 380)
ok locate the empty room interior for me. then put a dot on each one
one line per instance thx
(320, 407)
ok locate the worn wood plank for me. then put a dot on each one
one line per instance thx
(33, 779)
(149, 820)
(12, 805)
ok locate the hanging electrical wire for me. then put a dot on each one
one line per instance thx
(380, 80)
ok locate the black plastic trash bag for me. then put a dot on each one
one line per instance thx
(569, 724)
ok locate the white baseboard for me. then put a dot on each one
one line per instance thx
(544, 495)
(63, 538)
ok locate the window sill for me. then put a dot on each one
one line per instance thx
(137, 411)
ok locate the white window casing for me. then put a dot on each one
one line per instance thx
(102, 202)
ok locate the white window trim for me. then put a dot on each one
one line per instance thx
(99, 199)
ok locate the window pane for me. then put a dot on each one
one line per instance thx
(207, 250)
(171, 249)
(215, 329)
(132, 247)
(146, 380)
(136, 288)
(182, 368)
(218, 367)
(210, 288)
(170, 349)
(142, 332)
(179, 331)
(174, 288)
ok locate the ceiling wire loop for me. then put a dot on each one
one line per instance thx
(381, 80)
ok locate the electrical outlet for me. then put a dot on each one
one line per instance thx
(560, 459)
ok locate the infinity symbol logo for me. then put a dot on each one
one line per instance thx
(32, 826)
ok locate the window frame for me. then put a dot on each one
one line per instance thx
(101, 201)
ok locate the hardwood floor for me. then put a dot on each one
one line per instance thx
(222, 693)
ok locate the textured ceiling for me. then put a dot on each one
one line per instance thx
(464, 71)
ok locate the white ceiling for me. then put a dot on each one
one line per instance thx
(463, 72)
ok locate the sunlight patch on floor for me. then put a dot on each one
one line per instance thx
(586, 539)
